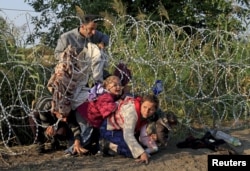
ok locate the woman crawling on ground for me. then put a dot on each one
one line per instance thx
(119, 129)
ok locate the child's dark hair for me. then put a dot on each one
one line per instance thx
(172, 118)
(151, 98)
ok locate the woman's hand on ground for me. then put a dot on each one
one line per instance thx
(78, 148)
(144, 158)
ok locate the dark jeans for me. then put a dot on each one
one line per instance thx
(116, 137)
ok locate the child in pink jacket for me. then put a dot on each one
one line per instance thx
(91, 114)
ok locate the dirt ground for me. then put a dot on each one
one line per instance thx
(170, 158)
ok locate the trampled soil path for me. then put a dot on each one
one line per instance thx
(171, 158)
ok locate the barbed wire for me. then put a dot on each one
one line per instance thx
(205, 75)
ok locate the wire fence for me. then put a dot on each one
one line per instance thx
(205, 75)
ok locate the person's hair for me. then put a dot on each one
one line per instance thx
(172, 118)
(106, 74)
(89, 18)
(151, 128)
(151, 98)
(109, 80)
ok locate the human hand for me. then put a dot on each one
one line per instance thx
(153, 137)
(50, 131)
(143, 158)
(60, 116)
(78, 148)
(101, 45)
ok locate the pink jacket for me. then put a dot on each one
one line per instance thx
(94, 112)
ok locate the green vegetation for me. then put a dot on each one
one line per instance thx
(58, 16)
(205, 72)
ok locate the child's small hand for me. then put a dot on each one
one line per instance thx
(153, 137)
